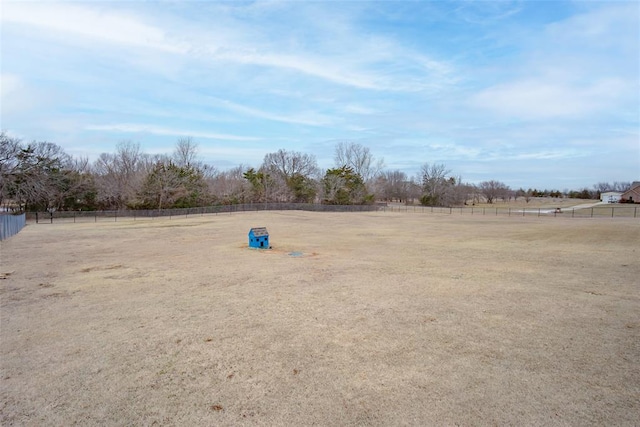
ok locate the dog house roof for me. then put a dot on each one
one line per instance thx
(259, 231)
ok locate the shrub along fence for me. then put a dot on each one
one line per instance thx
(11, 224)
(601, 211)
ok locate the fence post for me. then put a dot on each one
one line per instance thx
(450, 210)
(509, 211)
(74, 217)
(95, 216)
(36, 217)
(496, 211)
(538, 211)
(51, 213)
(611, 211)
(635, 210)
(573, 212)
(115, 216)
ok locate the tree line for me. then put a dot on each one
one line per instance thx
(42, 176)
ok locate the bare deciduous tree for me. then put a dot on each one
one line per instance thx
(291, 163)
(9, 150)
(41, 176)
(230, 186)
(492, 190)
(460, 193)
(620, 186)
(293, 175)
(395, 185)
(119, 176)
(185, 153)
(434, 183)
(359, 158)
(169, 185)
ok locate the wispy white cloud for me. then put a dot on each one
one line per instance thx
(544, 155)
(498, 151)
(12, 94)
(372, 70)
(540, 99)
(90, 23)
(159, 130)
(359, 109)
(600, 25)
(487, 12)
(310, 118)
(11, 83)
(18, 96)
(320, 68)
(250, 154)
(445, 151)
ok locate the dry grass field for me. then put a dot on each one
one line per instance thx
(351, 319)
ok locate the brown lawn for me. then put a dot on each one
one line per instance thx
(383, 319)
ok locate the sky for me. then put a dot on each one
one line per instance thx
(535, 94)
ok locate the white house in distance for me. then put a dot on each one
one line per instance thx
(610, 197)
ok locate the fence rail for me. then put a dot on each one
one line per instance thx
(95, 216)
(11, 225)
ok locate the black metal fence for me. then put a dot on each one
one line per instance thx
(599, 211)
(95, 216)
(11, 224)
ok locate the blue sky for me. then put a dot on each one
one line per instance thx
(535, 93)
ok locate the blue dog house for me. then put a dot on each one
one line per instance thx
(259, 238)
